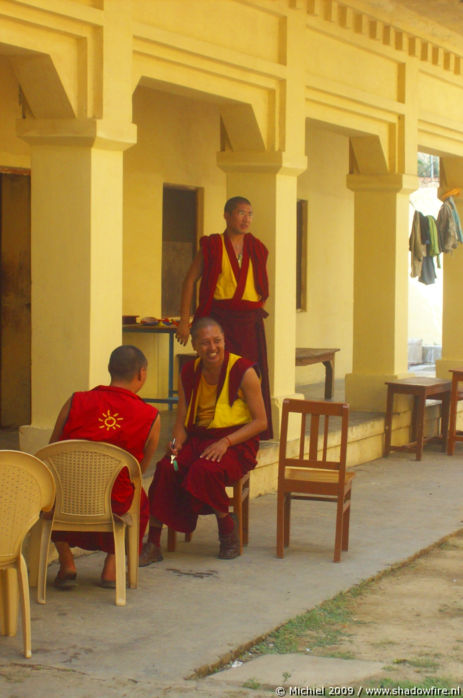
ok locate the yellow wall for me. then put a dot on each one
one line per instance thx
(178, 139)
(327, 322)
(257, 70)
(14, 152)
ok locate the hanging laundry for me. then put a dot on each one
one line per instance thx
(416, 246)
(457, 218)
(433, 249)
(447, 227)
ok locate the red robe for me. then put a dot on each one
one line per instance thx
(177, 497)
(119, 417)
(242, 320)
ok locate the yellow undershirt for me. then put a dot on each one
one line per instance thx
(226, 283)
(206, 403)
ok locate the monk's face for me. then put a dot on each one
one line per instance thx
(209, 344)
(239, 220)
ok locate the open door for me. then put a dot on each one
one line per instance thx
(15, 299)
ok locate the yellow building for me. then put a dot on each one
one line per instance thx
(112, 108)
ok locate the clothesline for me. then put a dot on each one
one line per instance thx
(429, 237)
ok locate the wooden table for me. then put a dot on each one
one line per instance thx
(305, 357)
(421, 389)
(154, 329)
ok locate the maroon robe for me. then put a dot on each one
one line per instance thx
(242, 321)
(119, 417)
(177, 497)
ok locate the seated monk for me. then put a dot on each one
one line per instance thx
(215, 441)
(116, 415)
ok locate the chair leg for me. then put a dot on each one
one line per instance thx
(171, 540)
(9, 601)
(238, 510)
(245, 519)
(119, 549)
(43, 544)
(25, 606)
(280, 524)
(345, 522)
(287, 519)
(345, 528)
(133, 541)
(339, 530)
(33, 555)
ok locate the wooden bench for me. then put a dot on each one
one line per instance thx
(305, 357)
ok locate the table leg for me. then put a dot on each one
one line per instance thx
(419, 424)
(388, 421)
(329, 378)
(445, 411)
(453, 418)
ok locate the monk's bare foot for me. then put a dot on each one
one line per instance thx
(108, 575)
(66, 577)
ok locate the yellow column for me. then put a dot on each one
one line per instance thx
(452, 327)
(380, 286)
(76, 258)
(269, 181)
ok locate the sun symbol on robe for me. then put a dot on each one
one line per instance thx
(110, 421)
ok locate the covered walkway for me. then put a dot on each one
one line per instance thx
(192, 611)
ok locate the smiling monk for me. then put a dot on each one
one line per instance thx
(220, 414)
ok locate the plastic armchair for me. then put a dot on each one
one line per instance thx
(321, 475)
(26, 488)
(84, 473)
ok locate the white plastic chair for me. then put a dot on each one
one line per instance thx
(26, 488)
(84, 473)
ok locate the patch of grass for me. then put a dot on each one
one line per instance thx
(428, 682)
(251, 683)
(342, 655)
(321, 623)
(419, 663)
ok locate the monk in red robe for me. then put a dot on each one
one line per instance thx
(116, 415)
(233, 290)
(220, 414)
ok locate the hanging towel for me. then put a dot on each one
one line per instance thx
(433, 249)
(457, 218)
(416, 247)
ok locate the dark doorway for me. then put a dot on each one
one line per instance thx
(15, 299)
(180, 215)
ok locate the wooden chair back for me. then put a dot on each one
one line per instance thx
(314, 467)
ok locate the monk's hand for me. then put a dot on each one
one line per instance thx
(183, 332)
(216, 450)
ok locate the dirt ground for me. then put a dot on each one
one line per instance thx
(410, 618)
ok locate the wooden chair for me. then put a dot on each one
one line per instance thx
(314, 477)
(84, 473)
(455, 395)
(240, 503)
(26, 488)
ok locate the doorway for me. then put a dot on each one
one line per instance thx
(15, 298)
(181, 210)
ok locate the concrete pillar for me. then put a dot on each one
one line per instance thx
(76, 259)
(452, 327)
(380, 286)
(269, 181)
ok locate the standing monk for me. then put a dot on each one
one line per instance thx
(215, 441)
(116, 415)
(233, 290)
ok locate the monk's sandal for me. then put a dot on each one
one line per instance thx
(149, 553)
